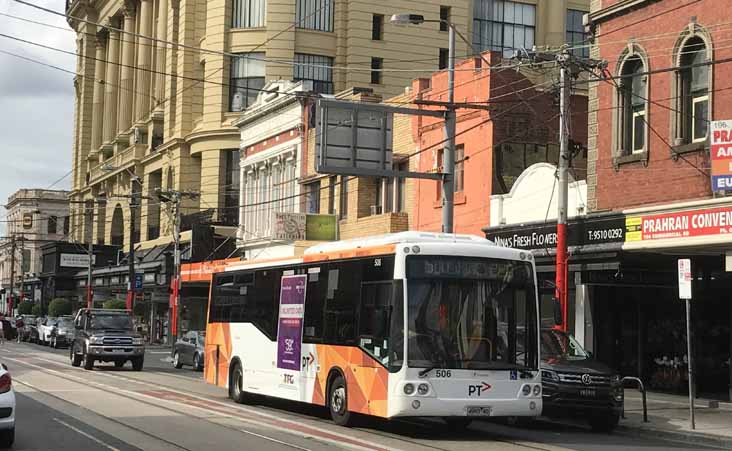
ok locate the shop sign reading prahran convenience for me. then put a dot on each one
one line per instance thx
(683, 224)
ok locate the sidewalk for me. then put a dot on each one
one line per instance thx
(668, 417)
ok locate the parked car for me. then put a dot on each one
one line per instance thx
(7, 408)
(104, 335)
(63, 332)
(188, 350)
(45, 329)
(577, 385)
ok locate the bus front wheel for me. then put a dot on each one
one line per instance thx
(236, 384)
(338, 402)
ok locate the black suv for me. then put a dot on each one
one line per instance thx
(576, 385)
(106, 336)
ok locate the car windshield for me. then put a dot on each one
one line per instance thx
(558, 345)
(65, 323)
(471, 313)
(121, 322)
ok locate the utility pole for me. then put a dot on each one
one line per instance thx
(131, 256)
(12, 271)
(570, 66)
(175, 197)
(448, 160)
(562, 284)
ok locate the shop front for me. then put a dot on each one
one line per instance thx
(624, 303)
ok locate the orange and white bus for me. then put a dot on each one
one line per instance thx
(408, 324)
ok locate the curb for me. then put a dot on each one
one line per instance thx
(689, 438)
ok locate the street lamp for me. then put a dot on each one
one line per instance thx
(448, 184)
(131, 258)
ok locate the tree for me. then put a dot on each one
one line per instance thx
(36, 310)
(116, 304)
(59, 307)
(25, 308)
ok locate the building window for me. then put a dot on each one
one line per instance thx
(249, 13)
(315, 68)
(633, 106)
(377, 27)
(314, 14)
(439, 169)
(443, 60)
(401, 194)
(459, 168)
(313, 197)
(247, 80)
(376, 65)
(694, 86)
(332, 182)
(576, 36)
(52, 221)
(503, 26)
(231, 174)
(390, 192)
(444, 17)
(67, 221)
(343, 200)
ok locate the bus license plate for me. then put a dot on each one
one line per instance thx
(588, 392)
(477, 411)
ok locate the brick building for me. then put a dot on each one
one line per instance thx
(649, 161)
(494, 145)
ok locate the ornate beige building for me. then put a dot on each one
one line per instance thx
(162, 82)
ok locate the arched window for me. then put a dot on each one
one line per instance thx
(694, 87)
(632, 97)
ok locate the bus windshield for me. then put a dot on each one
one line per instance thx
(471, 313)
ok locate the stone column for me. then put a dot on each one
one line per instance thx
(162, 33)
(144, 62)
(98, 95)
(127, 77)
(111, 80)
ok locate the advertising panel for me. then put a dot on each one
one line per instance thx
(682, 224)
(721, 155)
(289, 330)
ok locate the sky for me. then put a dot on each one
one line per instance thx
(36, 102)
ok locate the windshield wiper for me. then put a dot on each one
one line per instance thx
(426, 371)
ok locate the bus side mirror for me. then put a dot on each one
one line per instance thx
(557, 307)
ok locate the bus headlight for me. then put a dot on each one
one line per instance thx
(409, 389)
(537, 390)
(423, 389)
(526, 390)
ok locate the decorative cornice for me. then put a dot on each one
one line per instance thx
(618, 9)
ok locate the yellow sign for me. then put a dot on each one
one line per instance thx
(634, 229)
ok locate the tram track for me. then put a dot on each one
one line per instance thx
(201, 398)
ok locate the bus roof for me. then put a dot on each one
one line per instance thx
(395, 238)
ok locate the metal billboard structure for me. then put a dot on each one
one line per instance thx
(355, 138)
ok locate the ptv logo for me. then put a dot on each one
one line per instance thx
(478, 389)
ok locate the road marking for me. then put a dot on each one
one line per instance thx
(273, 440)
(89, 436)
(305, 431)
(158, 352)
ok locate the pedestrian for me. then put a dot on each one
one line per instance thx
(2, 332)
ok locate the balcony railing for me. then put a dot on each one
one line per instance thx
(124, 159)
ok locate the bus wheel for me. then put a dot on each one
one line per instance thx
(338, 402)
(236, 384)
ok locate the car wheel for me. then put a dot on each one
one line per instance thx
(338, 402)
(7, 438)
(176, 361)
(74, 357)
(197, 362)
(604, 423)
(138, 363)
(87, 361)
(236, 385)
(119, 364)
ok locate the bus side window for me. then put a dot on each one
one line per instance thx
(315, 294)
(374, 319)
(341, 302)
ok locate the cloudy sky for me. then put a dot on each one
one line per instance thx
(36, 102)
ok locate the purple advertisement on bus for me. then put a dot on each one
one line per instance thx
(289, 331)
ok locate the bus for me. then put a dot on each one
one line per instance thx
(408, 324)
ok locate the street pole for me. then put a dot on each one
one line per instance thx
(690, 364)
(448, 177)
(175, 317)
(90, 251)
(561, 290)
(12, 271)
(131, 256)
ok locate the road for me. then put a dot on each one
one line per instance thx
(61, 407)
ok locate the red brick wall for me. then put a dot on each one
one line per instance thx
(663, 180)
